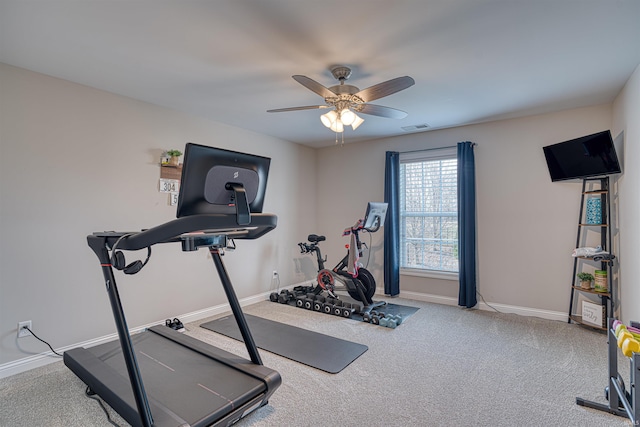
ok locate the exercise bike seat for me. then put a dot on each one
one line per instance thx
(314, 238)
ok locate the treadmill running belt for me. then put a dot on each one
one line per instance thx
(182, 384)
(310, 348)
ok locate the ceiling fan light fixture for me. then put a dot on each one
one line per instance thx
(357, 122)
(329, 118)
(347, 117)
(344, 100)
(337, 126)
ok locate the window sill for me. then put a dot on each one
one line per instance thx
(432, 274)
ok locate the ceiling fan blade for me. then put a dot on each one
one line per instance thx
(313, 86)
(385, 88)
(308, 107)
(379, 110)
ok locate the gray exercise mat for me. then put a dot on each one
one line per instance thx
(399, 310)
(310, 348)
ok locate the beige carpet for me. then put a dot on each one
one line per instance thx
(445, 366)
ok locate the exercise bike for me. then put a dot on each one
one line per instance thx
(356, 280)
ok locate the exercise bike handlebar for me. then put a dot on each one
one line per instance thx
(305, 248)
(359, 225)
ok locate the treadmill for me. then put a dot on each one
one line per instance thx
(161, 377)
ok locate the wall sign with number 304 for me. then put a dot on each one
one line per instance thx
(169, 185)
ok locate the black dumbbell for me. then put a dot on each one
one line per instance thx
(308, 303)
(282, 299)
(273, 297)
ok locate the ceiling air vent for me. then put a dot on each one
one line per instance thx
(414, 128)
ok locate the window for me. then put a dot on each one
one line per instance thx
(429, 211)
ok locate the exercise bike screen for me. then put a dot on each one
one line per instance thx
(376, 214)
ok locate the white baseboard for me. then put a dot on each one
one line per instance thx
(42, 359)
(503, 308)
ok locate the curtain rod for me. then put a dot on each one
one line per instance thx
(473, 144)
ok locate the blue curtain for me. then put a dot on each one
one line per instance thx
(392, 224)
(467, 225)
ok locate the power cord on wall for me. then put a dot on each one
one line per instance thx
(40, 339)
(487, 304)
(89, 393)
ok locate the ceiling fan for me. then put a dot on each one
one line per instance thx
(346, 100)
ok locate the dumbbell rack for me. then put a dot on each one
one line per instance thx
(334, 306)
(628, 401)
(325, 305)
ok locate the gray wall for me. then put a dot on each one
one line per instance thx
(77, 160)
(626, 112)
(526, 223)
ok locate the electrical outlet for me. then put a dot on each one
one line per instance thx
(275, 274)
(22, 332)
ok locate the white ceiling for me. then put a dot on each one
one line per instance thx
(231, 60)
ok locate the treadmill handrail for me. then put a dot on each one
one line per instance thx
(171, 231)
(174, 231)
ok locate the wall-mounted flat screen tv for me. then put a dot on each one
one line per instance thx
(588, 156)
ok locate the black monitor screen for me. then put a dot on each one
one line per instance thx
(209, 175)
(588, 156)
(376, 213)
